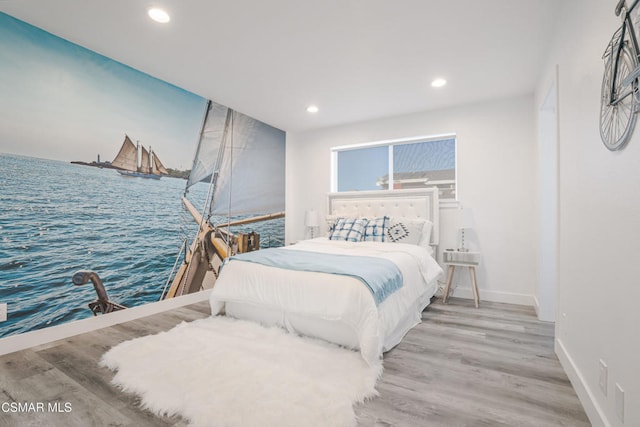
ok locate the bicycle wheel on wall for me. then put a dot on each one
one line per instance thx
(618, 119)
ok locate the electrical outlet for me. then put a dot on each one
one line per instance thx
(620, 402)
(3, 312)
(603, 377)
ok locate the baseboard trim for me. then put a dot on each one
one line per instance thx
(30, 339)
(536, 305)
(494, 296)
(594, 411)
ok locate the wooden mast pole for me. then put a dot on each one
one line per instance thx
(204, 229)
(252, 220)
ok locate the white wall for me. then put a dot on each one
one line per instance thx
(547, 285)
(496, 164)
(599, 225)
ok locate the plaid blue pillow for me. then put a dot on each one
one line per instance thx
(331, 223)
(349, 229)
(376, 229)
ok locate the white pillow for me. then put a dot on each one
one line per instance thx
(405, 230)
(425, 240)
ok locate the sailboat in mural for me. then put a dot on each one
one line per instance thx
(243, 160)
(134, 160)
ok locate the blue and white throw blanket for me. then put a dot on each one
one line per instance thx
(380, 275)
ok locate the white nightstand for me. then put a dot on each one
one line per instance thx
(455, 259)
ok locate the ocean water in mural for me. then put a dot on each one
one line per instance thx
(57, 218)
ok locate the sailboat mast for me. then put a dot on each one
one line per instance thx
(138, 157)
(150, 160)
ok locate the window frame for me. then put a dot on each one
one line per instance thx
(390, 143)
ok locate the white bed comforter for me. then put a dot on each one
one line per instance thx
(333, 307)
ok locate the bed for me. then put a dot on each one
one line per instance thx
(340, 308)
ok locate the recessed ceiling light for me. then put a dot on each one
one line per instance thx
(438, 82)
(312, 109)
(159, 15)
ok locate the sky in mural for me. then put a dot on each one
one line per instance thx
(63, 102)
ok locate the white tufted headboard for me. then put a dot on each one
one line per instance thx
(414, 203)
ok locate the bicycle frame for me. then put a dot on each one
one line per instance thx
(627, 23)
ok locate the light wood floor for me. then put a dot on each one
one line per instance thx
(462, 366)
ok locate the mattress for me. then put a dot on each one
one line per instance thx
(335, 308)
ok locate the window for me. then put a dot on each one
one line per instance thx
(360, 169)
(415, 163)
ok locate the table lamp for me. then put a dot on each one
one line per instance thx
(465, 222)
(311, 221)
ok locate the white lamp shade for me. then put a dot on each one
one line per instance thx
(465, 218)
(311, 219)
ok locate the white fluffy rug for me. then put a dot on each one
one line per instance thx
(224, 372)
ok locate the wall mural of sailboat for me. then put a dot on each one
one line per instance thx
(135, 161)
(243, 160)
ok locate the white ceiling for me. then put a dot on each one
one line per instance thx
(355, 59)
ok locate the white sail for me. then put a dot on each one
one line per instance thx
(208, 147)
(144, 162)
(252, 174)
(152, 164)
(249, 159)
(158, 167)
(127, 157)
